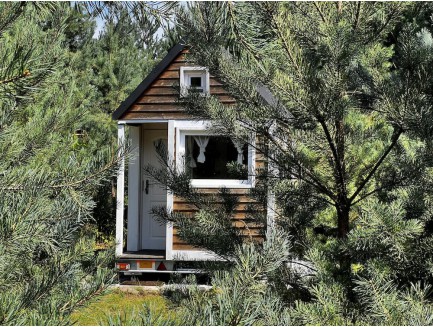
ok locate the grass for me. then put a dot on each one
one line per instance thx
(121, 308)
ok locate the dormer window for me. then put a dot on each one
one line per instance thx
(194, 79)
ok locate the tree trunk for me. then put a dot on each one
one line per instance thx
(344, 258)
(343, 220)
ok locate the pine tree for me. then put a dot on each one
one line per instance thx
(347, 135)
(47, 262)
(113, 64)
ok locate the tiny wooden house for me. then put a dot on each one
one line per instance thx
(152, 114)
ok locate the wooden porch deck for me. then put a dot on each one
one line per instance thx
(143, 254)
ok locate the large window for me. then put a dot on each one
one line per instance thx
(216, 157)
(213, 160)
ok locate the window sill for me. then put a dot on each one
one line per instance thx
(220, 183)
(185, 93)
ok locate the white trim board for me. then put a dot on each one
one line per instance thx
(120, 193)
(170, 198)
(134, 189)
(141, 121)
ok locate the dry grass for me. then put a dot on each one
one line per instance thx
(123, 307)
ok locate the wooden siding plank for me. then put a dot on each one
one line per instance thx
(169, 75)
(150, 99)
(185, 206)
(239, 224)
(164, 82)
(175, 81)
(253, 232)
(235, 215)
(169, 90)
(241, 191)
(161, 91)
(185, 247)
(218, 90)
(171, 100)
(214, 82)
(241, 199)
(161, 107)
(175, 65)
(178, 241)
(181, 58)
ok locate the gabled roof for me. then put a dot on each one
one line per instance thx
(124, 106)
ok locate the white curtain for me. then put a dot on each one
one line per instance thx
(190, 145)
(239, 146)
(202, 142)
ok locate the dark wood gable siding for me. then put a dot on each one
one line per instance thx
(160, 99)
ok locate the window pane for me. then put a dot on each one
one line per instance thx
(221, 158)
(195, 82)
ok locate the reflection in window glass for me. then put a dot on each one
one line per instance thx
(215, 157)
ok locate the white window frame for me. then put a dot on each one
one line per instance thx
(187, 72)
(184, 128)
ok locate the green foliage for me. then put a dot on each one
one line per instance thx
(117, 61)
(59, 156)
(118, 308)
(347, 136)
(48, 265)
(240, 295)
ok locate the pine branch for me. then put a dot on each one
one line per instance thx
(70, 305)
(389, 19)
(331, 144)
(358, 11)
(377, 190)
(25, 74)
(5, 22)
(395, 138)
(303, 12)
(303, 265)
(368, 194)
(322, 16)
(286, 46)
(240, 37)
(315, 180)
(72, 184)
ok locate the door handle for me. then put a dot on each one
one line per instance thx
(146, 189)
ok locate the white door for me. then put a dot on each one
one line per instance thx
(153, 194)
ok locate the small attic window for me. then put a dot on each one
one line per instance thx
(196, 83)
(194, 79)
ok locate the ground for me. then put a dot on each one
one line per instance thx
(117, 306)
